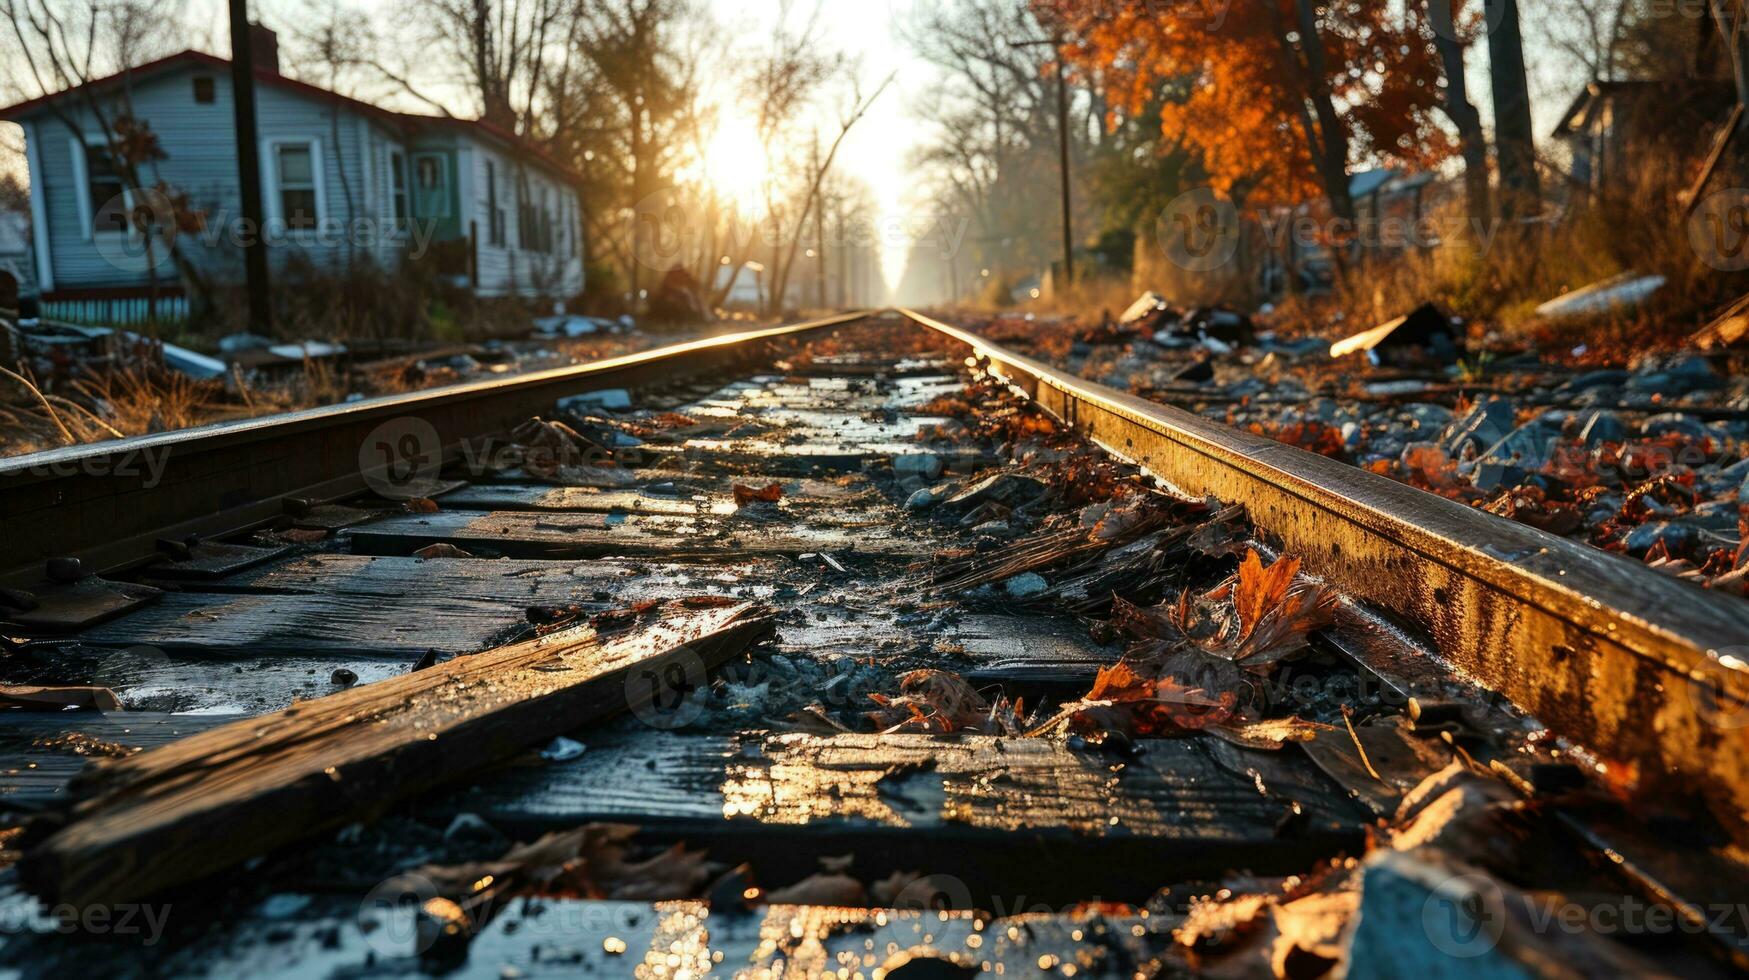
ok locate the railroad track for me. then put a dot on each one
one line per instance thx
(366, 646)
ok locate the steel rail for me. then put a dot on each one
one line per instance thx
(108, 503)
(1645, 672)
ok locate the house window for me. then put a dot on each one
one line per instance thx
(296, 171)
(494, 214)
(546, 220)
(104, 187)
(524, 215)
(203, 89)
(431, 185)
(398, 184)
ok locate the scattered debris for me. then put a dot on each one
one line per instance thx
(58, 699)
(1612, 295)
(1425, 336)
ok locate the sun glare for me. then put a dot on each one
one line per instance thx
(735, 164)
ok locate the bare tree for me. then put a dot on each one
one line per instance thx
(66, 46)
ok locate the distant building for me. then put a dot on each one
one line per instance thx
(342, 181)
(1612, 129)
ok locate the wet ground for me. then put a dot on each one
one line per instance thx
(1022, 714)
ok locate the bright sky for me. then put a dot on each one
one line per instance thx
(877, 151)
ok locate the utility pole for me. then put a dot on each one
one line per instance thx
(249, 171)
(1062, 150)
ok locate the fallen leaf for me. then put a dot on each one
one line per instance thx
(745, 495)
(441, 550)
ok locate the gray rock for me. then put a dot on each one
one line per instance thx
(1025, 585)
(923, 499)
(1427, 415)
(1480, 428)
(1323, 409)
(1598, 379)
(926, 466)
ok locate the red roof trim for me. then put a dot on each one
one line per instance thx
(405, 121)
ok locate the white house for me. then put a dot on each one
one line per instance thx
(343, 181)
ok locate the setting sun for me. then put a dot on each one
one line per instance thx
(735, 164)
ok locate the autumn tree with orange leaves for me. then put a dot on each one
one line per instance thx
(1281, 96)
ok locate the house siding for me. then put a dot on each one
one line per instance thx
(355, 192)
(509, 269)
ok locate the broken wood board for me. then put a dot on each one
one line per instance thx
(564, 535)
(1088, 823)
(44, 752)
(199, 805)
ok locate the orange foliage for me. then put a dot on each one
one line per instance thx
(1241, 82)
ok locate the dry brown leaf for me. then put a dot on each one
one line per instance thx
(441, 550)
(770, 494)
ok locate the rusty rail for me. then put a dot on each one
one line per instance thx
(108, 503)
(1642, 670)
(1645, 672)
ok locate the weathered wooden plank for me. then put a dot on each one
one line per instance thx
(339, 625)
(201, 804)
(687, 497)
(436, 579)
(1089, 823)
(562, 535)
(44, 752)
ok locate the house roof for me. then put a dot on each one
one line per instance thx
(406, 122)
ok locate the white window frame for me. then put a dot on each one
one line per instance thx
(270, 183)
(76, 148)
